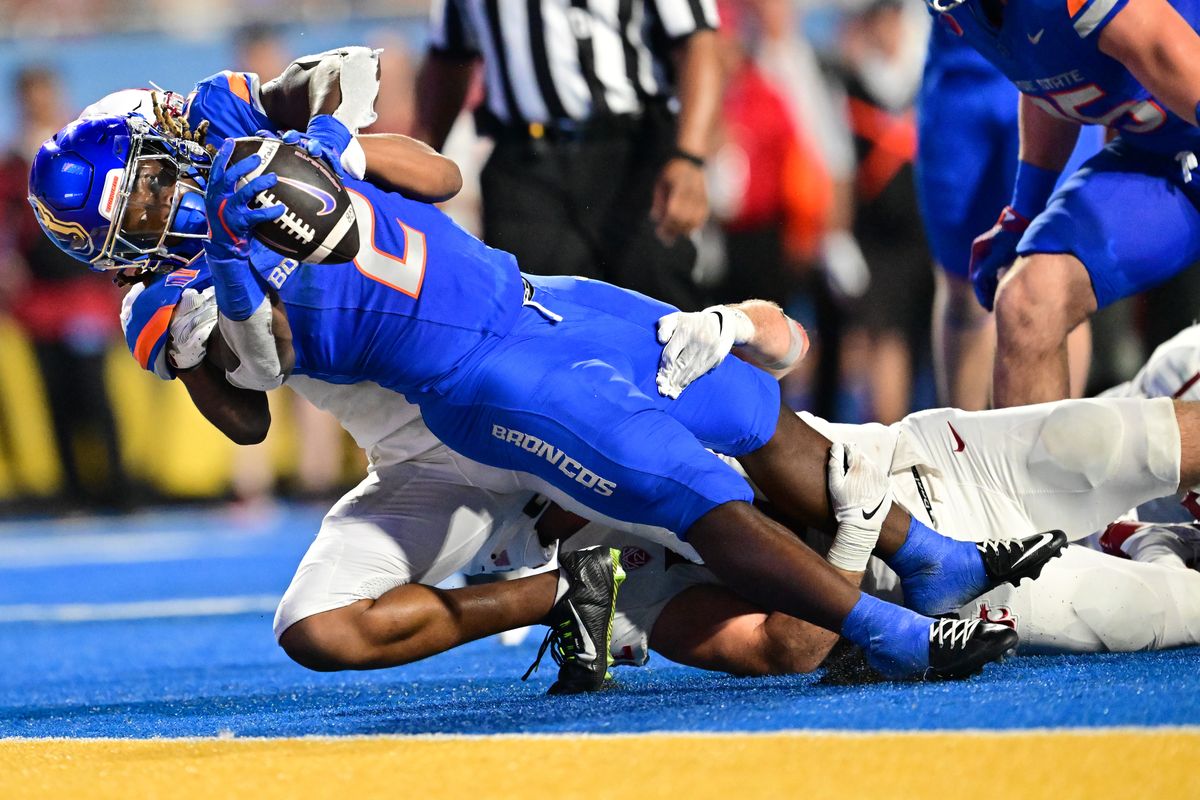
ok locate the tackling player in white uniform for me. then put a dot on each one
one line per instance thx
(1074, 465)
(424, 512)
(363, 595)
(347, 625)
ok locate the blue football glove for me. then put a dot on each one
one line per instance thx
(231, 221)
(326, 139)
(993, 251)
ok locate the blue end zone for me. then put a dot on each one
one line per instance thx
(207, 675)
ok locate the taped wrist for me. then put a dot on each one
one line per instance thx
(852, 548)
(796, 348)
(253, 343)
(354, 160)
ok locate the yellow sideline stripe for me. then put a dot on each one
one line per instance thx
(1061, 765)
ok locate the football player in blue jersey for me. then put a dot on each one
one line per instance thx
(352, 604)
(967, 141)
(1128, 219)
(555, 377)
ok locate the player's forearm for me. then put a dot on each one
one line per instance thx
(1047, 141)
(442, 84)
(699, 92)
(779, 342)
(241, 415)
(410, 167)
(1160, 49)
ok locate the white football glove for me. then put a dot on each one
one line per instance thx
(695, 342)
(192, 323)
(862, 496)
(358, 80)
(1172, 369)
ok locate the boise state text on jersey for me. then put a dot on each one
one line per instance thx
(1049, 50)
(967, 146)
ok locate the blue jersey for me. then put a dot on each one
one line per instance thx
(230, 102)
(404, 314)
(967, 143)
(421, 294)
(948, 52)
(1049, 49)
(428, 310)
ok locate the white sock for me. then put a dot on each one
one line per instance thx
(564, 583)
(1157, 547)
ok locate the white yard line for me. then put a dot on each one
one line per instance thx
(31, 552)
(142, 609)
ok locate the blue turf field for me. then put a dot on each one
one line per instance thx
(160, 625)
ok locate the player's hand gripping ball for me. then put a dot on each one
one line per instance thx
(317, 225)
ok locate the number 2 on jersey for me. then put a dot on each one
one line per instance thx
(405, 272)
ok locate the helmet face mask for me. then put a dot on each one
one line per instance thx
(158, 209)
(117, 193)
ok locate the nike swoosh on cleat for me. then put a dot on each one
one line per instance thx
(588, 647)
(874, 510)
(1045, 537)
(959, 445)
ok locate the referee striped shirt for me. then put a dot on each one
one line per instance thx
(568, 61)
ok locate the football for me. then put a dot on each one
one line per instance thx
(318, 225)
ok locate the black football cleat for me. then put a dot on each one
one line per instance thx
(581, 621)
(959, 648)
(1014, 560)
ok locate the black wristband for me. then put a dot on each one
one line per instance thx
(679, 152)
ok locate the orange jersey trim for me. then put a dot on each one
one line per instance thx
(1073, 6)
(150, 334)
(238, 85)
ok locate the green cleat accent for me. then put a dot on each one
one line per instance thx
(581, 621)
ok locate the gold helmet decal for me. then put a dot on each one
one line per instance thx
(72, 233)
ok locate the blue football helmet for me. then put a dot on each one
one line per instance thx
(117, 192)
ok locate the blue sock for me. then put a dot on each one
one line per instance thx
(938, 573)
(895, 640)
